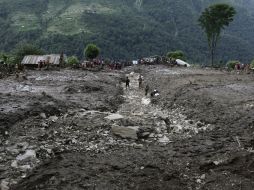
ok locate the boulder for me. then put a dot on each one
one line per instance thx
(53, 118)
(43, 115)
(114, 117)
(125, 132)
(164, 139)
(4, 185)
(29, 154)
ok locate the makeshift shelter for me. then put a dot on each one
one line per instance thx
(33, 60)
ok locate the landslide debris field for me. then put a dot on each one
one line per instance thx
(74, 130)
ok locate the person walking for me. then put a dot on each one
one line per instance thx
(146, 89)
(140, 80)
(127, 82)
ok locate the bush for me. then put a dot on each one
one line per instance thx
(252, 64)
(176, 55)
(231, 64)
(73, 61)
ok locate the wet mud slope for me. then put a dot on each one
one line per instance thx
(197, 134)
(224, 101)
(35, 112)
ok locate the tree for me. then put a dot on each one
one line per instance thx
(26, 49)
(73, 61)
(91, 51)
(213, 20)
(176, 54)
(3, 57)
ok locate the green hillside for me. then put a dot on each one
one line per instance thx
(123, 28)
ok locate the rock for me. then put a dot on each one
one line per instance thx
(131, 74)
(44, 125)
(161, 115)
(23, 145)
(43, 115)
(137, 146)
(199, 124)
(29, 154)
(4, 185)
(25, 167)
(144, 135)
(146, 101)
(2, 168)
(158, 130)
(164, 139)
(53, 118)
(14, 164)
(125, 132)
(13, 150)
(114, 117)
(202, 177)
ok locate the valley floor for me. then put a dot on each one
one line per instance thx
(74, 129)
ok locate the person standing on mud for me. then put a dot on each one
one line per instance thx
(17, 70)
(127, 82)
(146, 89)
(140, 80)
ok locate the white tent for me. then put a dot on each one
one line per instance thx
(182, 63)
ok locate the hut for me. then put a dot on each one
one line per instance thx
(34, 60)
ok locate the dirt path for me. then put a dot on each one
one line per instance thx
(153, 122)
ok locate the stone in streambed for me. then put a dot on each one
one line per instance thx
(125, 132)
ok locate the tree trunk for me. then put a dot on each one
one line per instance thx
(213, 46)
(212, 55)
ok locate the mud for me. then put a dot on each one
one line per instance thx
(56, 130)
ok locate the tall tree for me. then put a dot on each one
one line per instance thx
(26, 49)
(213, 20)
(91, 51)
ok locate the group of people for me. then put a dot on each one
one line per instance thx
(111, 65)
(242, 67)
(41, 64)
(140, 85)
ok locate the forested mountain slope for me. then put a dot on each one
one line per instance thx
(124, 28)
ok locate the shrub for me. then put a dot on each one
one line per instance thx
(252, 64)
(231, 64)
(73, 61)
(176, 55)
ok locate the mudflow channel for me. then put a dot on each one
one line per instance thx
(140, 145)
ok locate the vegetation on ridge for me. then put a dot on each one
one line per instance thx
(123, 29)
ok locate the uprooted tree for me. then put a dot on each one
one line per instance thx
(91, 51)
(213, 20)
